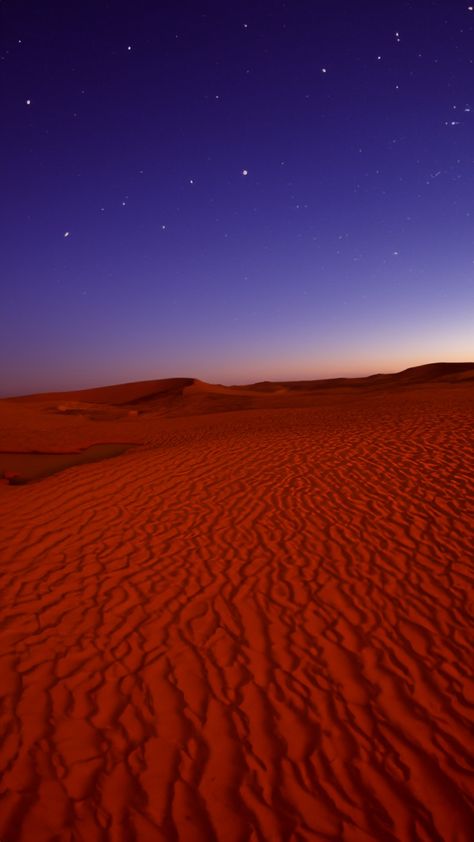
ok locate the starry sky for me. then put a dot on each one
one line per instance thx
(234, 191)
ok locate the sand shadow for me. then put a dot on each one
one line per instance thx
(22, 468)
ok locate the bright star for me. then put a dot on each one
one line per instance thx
(245, 172)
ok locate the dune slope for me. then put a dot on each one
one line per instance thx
(254, 627)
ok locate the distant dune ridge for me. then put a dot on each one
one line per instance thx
(253, 624)
(130, 393)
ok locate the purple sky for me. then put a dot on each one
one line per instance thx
(249, 190)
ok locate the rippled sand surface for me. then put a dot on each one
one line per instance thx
(254, 625)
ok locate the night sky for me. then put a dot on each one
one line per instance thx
(234, 191)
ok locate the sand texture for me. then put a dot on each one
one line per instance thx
(253, 625)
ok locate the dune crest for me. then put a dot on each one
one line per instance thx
(256, 626)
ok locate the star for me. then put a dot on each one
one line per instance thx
(245, 172)
(28, 101)
(324, 70)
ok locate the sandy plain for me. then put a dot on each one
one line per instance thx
(254, 624)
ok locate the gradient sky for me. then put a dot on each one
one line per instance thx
(234, 191)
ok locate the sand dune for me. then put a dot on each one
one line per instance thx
(253, 626)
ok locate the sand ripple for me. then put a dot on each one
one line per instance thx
(250, 629)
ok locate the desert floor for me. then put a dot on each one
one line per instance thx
(252, 625)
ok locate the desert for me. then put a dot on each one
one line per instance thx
(236, 421)
(251, 622)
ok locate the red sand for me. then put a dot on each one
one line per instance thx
(254, 626)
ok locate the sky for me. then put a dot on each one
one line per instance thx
(234, 191)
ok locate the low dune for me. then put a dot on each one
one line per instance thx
(253, 624)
